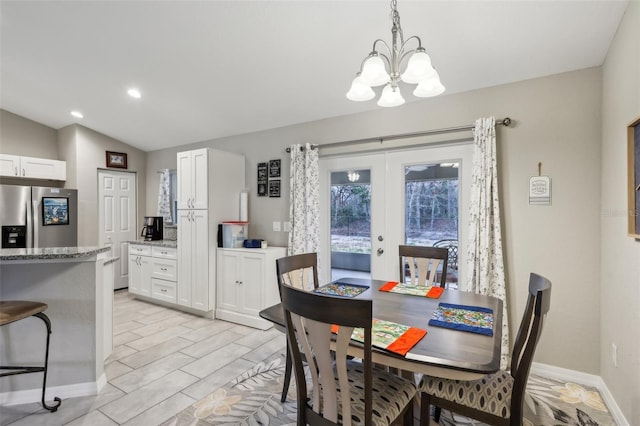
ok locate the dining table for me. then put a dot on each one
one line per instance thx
(442, 352)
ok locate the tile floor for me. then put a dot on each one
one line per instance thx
(163, 361)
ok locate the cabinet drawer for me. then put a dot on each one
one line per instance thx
(164, 252)
(140, 250)
(164, 269)
(163, 290)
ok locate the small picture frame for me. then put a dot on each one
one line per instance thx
(117, 160)
(274, 188)
(274, 168)
(262, 189)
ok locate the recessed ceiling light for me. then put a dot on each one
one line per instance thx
(134, 93)
(77, 114)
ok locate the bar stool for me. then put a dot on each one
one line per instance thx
(15, 310)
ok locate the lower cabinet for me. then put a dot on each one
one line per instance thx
(140, 269)
(246, 284)
(153, 272)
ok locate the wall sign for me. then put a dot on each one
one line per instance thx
(540, 189)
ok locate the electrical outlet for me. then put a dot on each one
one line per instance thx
(276, 226)
(614, 355)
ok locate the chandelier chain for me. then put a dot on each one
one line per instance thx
(395, 17)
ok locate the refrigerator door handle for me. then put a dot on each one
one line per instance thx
(36, 223)
(29, 221)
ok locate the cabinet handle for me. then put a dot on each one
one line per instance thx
(23, 173)
(16, 171)
(163, 269)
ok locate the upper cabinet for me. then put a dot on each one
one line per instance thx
(193, 186)
(32, 168)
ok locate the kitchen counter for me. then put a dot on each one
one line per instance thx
(50, 253)
(78, 290)
(158, 243)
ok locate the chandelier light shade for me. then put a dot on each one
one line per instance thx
(379, 69)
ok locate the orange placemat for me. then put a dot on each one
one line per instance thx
(388, 335)
(433, 292)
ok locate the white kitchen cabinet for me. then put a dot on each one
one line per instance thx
(140, 269)
(247, 284)
(193, 260)
(32, 167)
(209, 186)
(192, 173)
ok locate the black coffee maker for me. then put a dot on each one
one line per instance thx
(152, 228)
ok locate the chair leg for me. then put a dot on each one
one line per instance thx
(53, 408)
(287, 376)
(425, 409)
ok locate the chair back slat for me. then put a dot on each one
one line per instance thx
(424, 263)
(299, 271)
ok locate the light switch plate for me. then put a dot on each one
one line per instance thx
(286, 226)
(276, 226)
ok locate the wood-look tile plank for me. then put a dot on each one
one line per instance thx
(206, 365)
(163, 411)
(156, 352)
(141, 376)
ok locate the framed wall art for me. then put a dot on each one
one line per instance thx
(117, 160)
(262, 179)
(633, 170)
(274, 188)
(274, 168)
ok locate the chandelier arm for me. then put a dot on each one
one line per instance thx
(408, 40)
(384, 43)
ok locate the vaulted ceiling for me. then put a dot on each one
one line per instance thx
(209, 69)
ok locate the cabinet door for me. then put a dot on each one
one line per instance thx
(42, 168)
(135, 274)
(228, 267)
(145, 272)
(252, 287)
(9, 165)
(200, 181)
(200, 260)
(185, 264)
(184, 178)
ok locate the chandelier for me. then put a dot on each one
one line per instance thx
(379, 69)
(353, 176)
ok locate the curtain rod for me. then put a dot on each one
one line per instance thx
(504, 122)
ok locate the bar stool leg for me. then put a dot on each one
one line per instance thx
(52, 408)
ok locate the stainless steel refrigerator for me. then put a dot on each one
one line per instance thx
(34, 216)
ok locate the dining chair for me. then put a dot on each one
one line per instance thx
(423, 264)
(299, 271)
(344, 391)
(452, 247)
(498, 398)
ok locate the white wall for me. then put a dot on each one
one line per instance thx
(557, 122)
(620, 254)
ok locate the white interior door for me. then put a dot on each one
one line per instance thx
(117, 201)
(381, 181)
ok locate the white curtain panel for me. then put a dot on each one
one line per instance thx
(485, 263)
(304, 200)
(164, 196)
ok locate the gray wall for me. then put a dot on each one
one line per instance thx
(620, 254)
(21, 136)
(557, 122)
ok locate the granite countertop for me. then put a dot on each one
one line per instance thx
(51, 253)
(159, 243)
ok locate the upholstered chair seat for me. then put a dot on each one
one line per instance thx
(491, 393)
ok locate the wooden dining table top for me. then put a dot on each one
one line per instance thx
(443, 352)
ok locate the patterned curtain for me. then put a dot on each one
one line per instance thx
(485, 264)
(304, 200)
(164, 196)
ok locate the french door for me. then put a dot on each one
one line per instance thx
(372, 203)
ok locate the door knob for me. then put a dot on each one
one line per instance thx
(380, 251)
(380, 238)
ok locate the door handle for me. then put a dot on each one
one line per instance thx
(380, 238)
(380, 251)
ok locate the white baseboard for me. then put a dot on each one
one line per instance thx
(29, 396)
(585, 379)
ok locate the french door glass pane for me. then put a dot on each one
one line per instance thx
(431, 209)
(351, 223)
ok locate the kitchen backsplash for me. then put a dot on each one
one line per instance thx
(170, 232)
